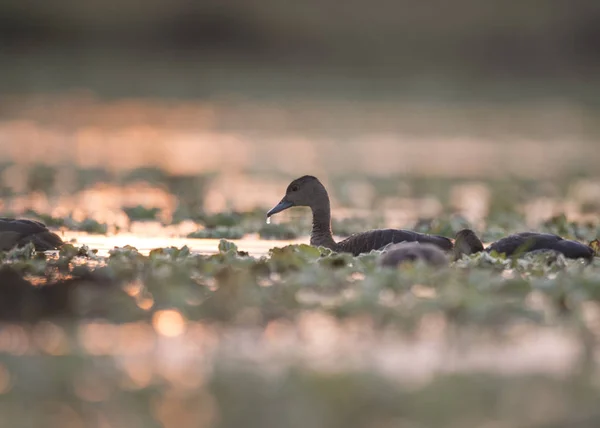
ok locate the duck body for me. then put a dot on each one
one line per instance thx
(531, 241)
(377, 239)
(19, 232)
(524, 242)
(308, 191)
(398, 254)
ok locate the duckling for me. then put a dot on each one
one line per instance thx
(19, 232)
(467, 242)
(397, 254)
(308, 191)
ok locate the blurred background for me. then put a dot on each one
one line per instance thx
(250, 94)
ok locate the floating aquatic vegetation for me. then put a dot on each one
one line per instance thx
(278, 231)
(224, 219)
(306, 277)
(484, 259)
(89, 177)
(226, 246)
(41, 178)
(47, 219)
(150, 174)
(444, 225)
(88, 225)
(140, 213)
(561, 226)
(219, 232)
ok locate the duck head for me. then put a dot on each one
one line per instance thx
(466, 242)
(595, 246)
(306, 191)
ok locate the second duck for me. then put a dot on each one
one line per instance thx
(520, 243)
(307, 191)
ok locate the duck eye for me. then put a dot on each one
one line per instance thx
(294, 188)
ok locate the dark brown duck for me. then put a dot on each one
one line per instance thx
(19, 232)
(519, 243)
(307, 191)
(398, 254)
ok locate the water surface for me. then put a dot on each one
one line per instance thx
(255, 247)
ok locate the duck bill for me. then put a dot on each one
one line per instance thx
(281, 206)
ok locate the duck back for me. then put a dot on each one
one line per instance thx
(377, 239)
(531, 241)
(18, 232)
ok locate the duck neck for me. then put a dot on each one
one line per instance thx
(321, 235)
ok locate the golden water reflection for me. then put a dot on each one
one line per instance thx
(145, 244)
(169, 323)
(5, 379)
(380, 137)
(174, 359)
(184, 352)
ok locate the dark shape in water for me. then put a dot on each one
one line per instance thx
(520, 243)
(19, 232)
(22, 301)
(307, 191)
(18, 300)
(397, 254)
